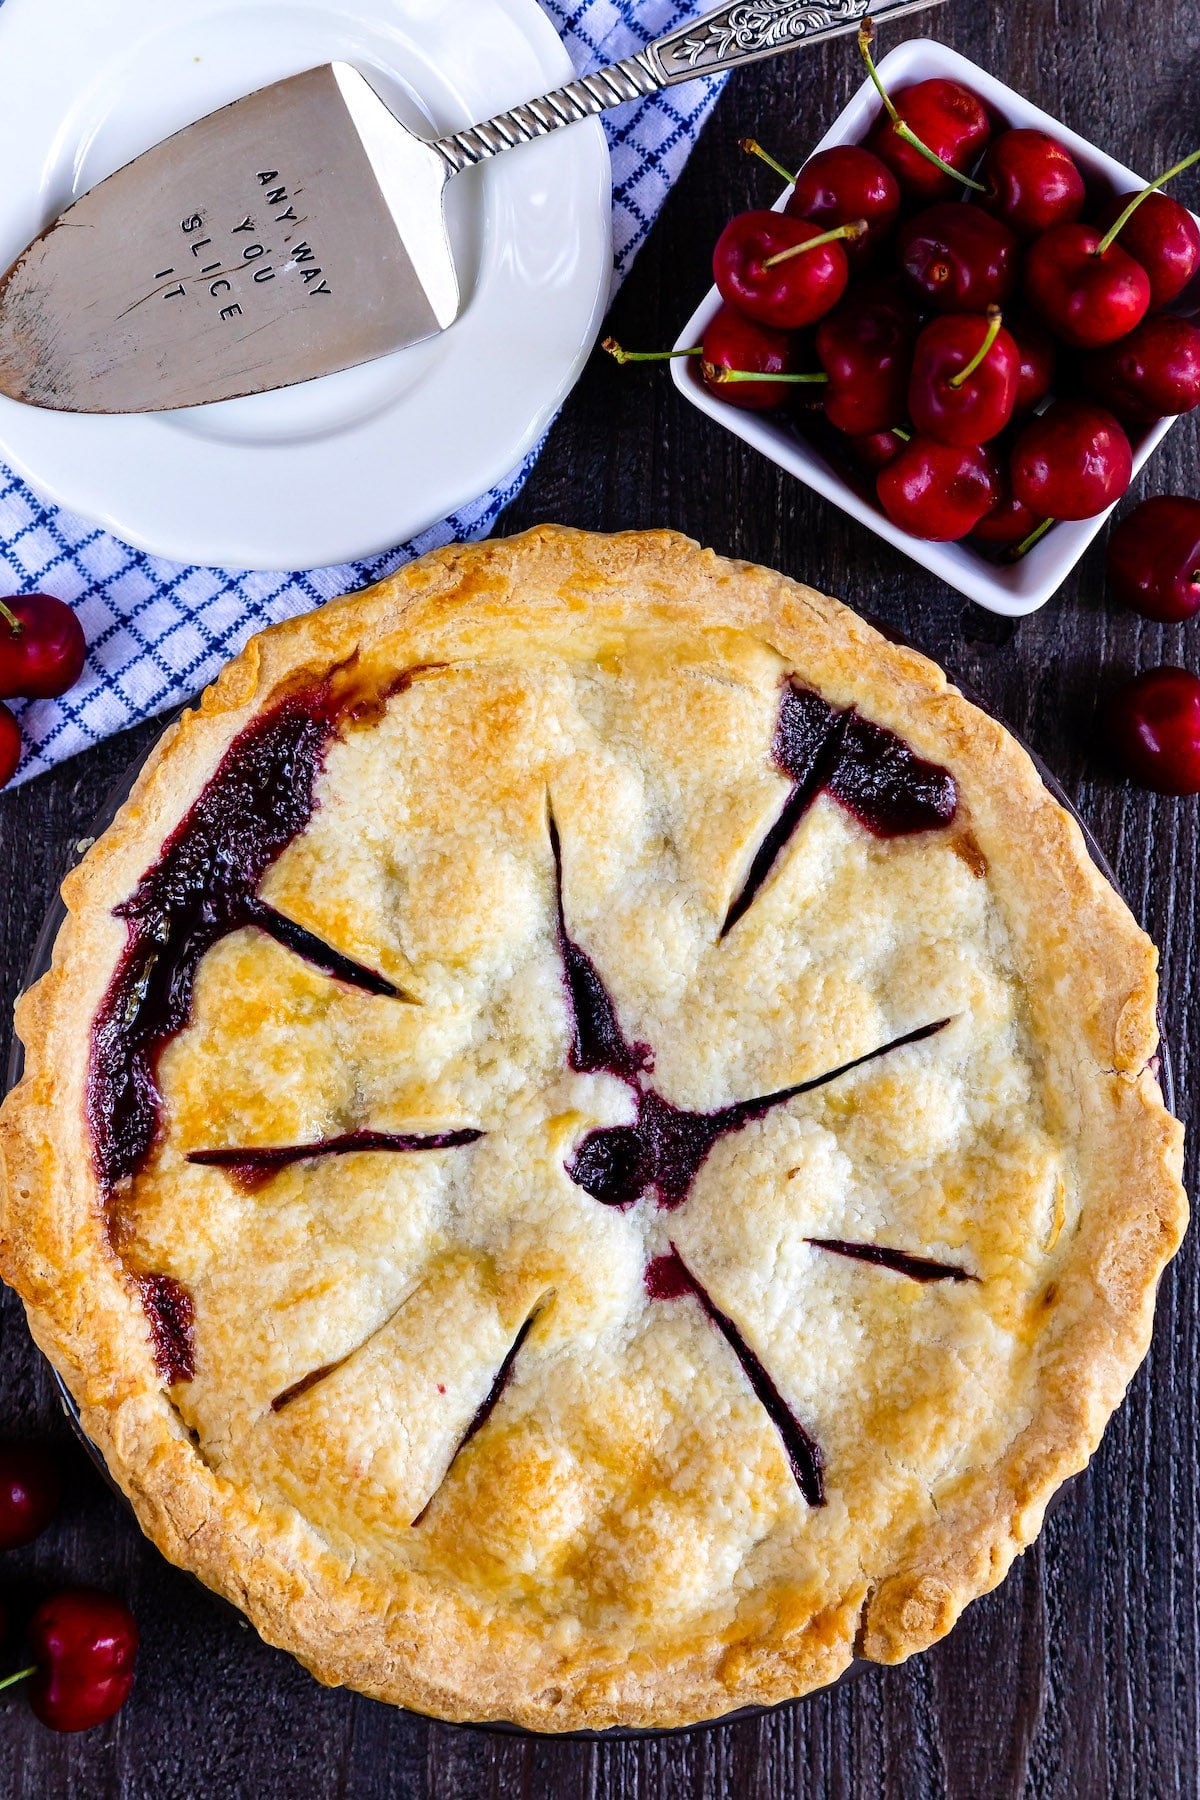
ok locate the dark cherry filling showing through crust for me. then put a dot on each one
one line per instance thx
(315, 950)
(302, 1386)
(665, 1147)
(888, 788)
(917, 1268)
(669, 1278)
(597, 1042)
(252, 1167)
(487, 1405)
(168, 1307)
(203, 886)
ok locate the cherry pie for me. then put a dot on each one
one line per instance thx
(591, 1150)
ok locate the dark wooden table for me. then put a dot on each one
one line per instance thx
(1079, 1677)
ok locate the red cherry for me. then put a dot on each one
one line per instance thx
(1151, 374)
(842, 184)
(1038, 361)
(1153, 724)
(10, 745)
(42, 647)
(1087, 296)
(762, 267)
(958, 259)
(875, 449)
(1031, 182)
(737, 360)
(1071, 462)
(936, 492)
(963, 385)
(735, 342)
(1154, 558)
(865, 348)
(949, 120)
(1008, 524)
(1163, 237)
(84, 1645)
(30, 1482)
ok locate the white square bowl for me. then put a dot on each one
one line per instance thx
(1015, 588)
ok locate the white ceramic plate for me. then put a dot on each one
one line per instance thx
(355, 463)
(1012, 589)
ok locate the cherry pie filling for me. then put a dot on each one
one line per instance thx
(206, 884)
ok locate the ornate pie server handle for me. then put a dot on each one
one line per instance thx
(749, 30)
(717, 41)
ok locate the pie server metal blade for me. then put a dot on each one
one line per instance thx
(295, 232)
(301, 230)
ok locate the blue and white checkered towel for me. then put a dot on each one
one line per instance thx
(158, 632)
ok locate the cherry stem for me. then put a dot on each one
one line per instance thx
(11, 620)
(719, 374)
(866, 33)
(752, 147)
(855, 229)
(627, 356)
(994, 322)
(1124, 217)
(900, 432)
(21, 1675)
(1027, 543)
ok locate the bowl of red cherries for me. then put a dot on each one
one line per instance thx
(960, 322)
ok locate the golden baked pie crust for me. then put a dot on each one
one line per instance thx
(477, 1640)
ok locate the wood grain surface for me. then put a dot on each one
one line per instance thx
(1078, 1678)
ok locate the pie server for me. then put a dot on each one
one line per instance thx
(301, 230)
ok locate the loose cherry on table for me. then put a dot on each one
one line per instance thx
(1152, 724)
(84, 1646)
(30, 1480)
(1084, 286)
(1030, 181)
(841, 185)
(865, 349)
(930, 134)
(936, 491)
(1071, 462)
(963, 385)
(42, 647)
(956, 258)
(1154, 558)
(780, 271)
(1153, 373)
(1159, 234)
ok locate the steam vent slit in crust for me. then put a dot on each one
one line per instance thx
(590, 1151)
